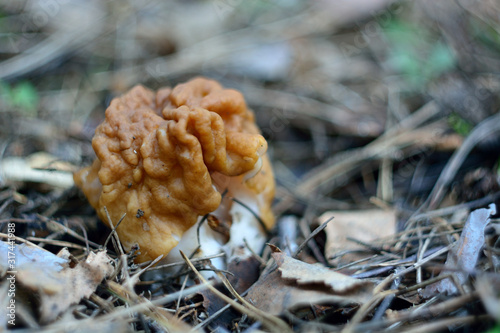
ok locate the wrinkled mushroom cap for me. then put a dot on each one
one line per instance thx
(165, 157)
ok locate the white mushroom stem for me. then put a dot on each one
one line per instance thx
(246, 235)
(211, 243)
(246, 232)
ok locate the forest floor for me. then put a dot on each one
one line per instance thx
(384, 135)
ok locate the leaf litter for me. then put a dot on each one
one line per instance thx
(349, 230)
(462, 258)
(411, 247)
(297, 284)
(51, 278)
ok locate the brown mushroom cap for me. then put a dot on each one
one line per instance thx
(160, 157)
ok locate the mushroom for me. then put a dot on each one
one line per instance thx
(166, 159)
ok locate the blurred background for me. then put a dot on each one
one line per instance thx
(329, 81)
(380, 113)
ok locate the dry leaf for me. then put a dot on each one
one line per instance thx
(304, 273)
(76, 283)
(57, 284)
(463, 256)
(299, 287)
(364, 225)
(32, 259)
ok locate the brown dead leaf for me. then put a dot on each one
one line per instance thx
(76, 283)
(296, 284)
(57, 284)
(304, 273)
(346, 226)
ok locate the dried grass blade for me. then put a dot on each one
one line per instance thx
(272, 323)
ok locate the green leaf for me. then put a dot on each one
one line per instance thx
(416, 54)
(25, 96)
(22, 96)
(459, 125)
(402, 34)
(495, 329)
(439, 60)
